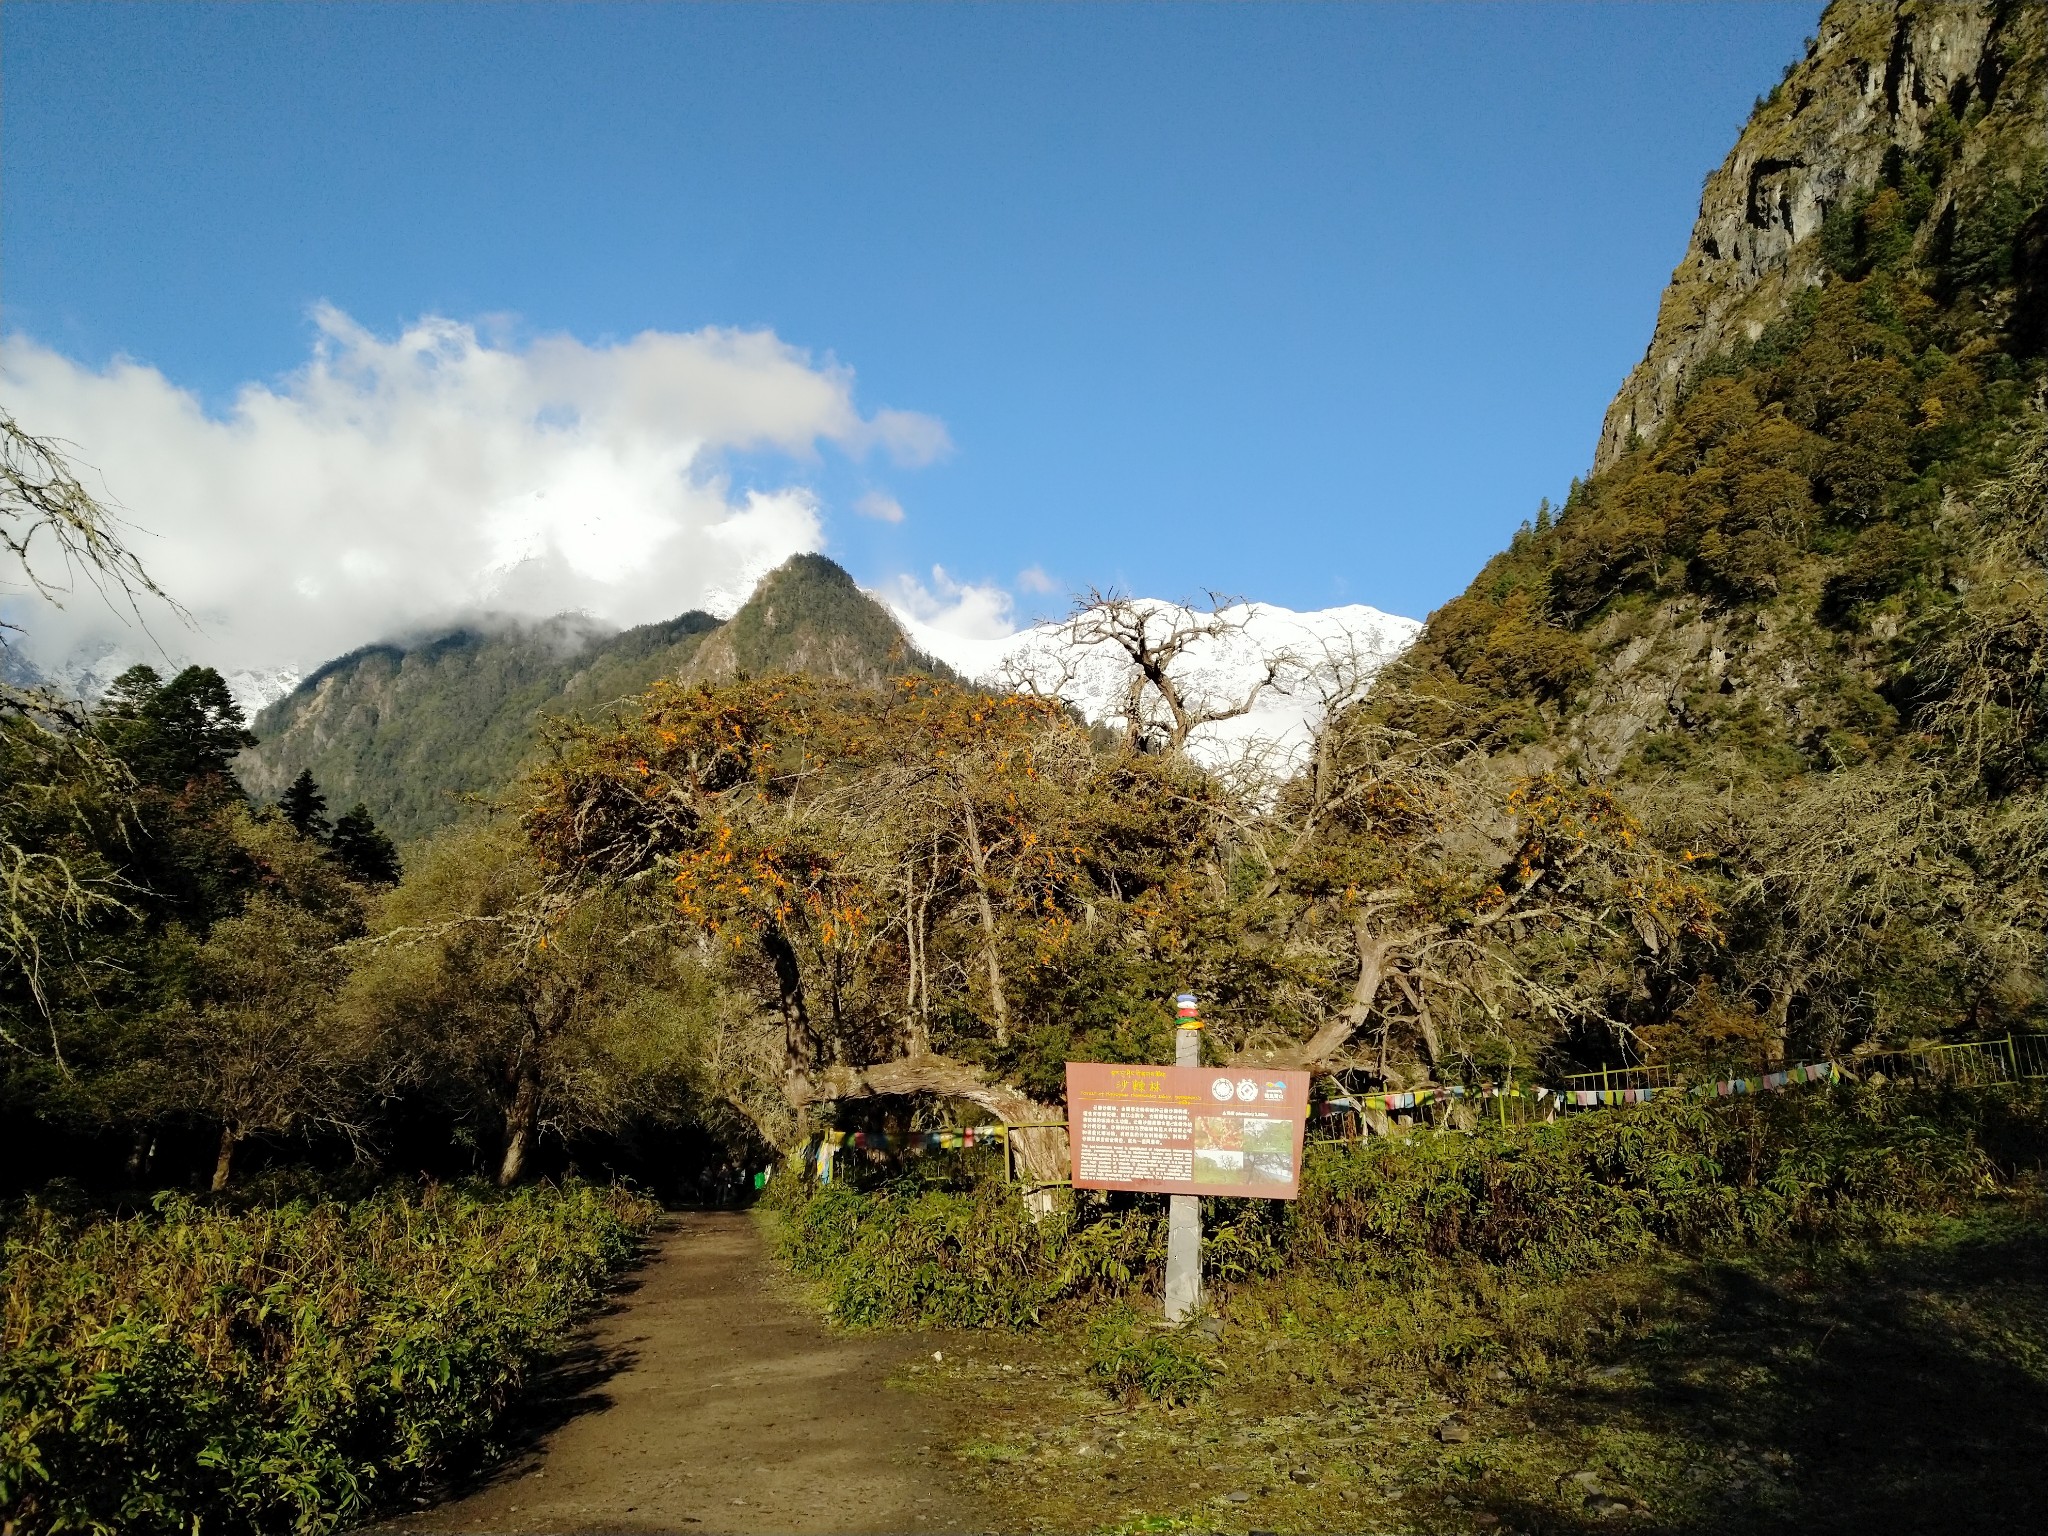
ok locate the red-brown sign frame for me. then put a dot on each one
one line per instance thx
(1186, 1130)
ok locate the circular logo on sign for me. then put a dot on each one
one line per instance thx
(1247, 1090)
(1220, 1088)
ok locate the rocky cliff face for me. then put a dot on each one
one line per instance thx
(1796, 614)
(1871, 85)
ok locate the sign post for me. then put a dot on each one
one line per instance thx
(1186, 1131)
(1184, 1212)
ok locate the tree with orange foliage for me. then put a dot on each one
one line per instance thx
(903, 880)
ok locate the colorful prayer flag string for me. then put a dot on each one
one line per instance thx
(1808, 1072)
(1585, 1098)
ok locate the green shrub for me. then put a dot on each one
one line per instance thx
(1593, 1188)
(1547, 1201)
(290, 1369)
(975, 1259)
(1132, 1357)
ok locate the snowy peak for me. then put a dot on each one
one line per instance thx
(255, 688)
(86, 675)
(1290, 665)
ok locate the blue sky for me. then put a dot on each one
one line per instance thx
(1310, 304)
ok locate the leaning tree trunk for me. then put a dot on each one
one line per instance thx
(224, 1159)
(1374, 954)
(521, 1120)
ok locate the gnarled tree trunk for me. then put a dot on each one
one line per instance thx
(522, 1116)
(999, 1004)
(224, 1158)
(1780, 1021)
(1374, 953)
(1040, 1151)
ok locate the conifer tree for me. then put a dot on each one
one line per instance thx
(173, 733)
(362, 850)
(304, 807)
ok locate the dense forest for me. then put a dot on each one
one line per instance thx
(1738, 759)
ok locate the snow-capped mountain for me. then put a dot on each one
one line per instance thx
(1326, 653)
(86, 674)
(16, 669)
(256, 687)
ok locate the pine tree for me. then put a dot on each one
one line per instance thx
(201, 724)
(366, 853)
(303, 806)
(131, 693)
(173, 733)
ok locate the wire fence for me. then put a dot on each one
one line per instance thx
(1608, 1079)
(1353, 1116)
(1976, 1064)
(1968, 1064)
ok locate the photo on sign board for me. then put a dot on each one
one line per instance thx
(1262, 1133)
(1219, 1149)
(1269, 1167)
(1219, 1165)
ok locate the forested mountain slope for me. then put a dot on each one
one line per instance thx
(1797, 611)
(411, 729)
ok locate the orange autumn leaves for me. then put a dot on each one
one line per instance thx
(1565, 825)
(894, 856)
(936, 868)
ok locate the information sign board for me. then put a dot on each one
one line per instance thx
(1186, 1130)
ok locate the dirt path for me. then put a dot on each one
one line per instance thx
(705, 1401)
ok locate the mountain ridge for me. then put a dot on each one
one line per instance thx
(1876, 78)
(1791, 604)
(416, 728)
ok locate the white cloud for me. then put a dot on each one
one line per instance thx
(392, 484)
(969, 610)
(1033, 579)
(910, 438)
(967, 625)
(881, 506)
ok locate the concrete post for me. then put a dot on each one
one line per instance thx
(1184, 1212)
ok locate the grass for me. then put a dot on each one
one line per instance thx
(204, 1368)
(1839, 1387)
(1815, 1312)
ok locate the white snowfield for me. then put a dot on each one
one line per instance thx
(87, 673)
(1327, 653)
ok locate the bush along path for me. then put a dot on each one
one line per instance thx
(291, 1368)
(708, 1401)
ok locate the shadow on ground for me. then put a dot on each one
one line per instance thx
(569, 1385)
(1905, 1393)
